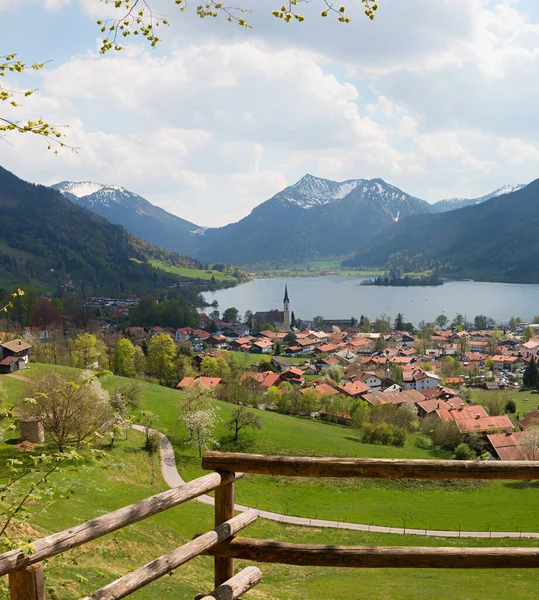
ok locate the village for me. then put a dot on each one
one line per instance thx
(453, 385)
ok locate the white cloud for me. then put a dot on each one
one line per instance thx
(56, 4)
(439, 98)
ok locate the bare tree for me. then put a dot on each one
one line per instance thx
(73, 410)
(529, 443)
(242, 419)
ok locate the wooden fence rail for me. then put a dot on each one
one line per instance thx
(235, 586)
(378, 556)
(95, 528)
(376, 468)
(25, 570)
(172, 560)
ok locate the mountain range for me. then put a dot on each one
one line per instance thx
(314, 218)
(497, 240)
(135, 213)
(46, 238)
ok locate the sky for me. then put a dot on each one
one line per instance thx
(437, 97)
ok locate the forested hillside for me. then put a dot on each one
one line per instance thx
(46, 238)
(496, 240)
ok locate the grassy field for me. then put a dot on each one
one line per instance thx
(526, 401)
(498, 506)
(192, 273)
(246, 359)
(124, 476)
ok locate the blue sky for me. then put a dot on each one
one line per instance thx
(438, 97)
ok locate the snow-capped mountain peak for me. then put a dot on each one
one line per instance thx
(507, 189)
(80, 189)
(312, 191)
(454, 203)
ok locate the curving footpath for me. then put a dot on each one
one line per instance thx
(174, 479)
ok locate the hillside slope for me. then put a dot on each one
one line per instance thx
(44, 236)
(496, 240)
(134, 212)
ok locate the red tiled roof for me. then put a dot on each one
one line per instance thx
(506, 445)
(265, 379)
(209, 382)
(485, 424)
(263, 344)
(9, 361)
(353, 388)
(411, 396)
(321, 389)
(530, 418)
(16, 345)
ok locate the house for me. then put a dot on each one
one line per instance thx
(321, 389)
(485, 424)
(420, 380)
(217, 341)
(402, 361)
(327, 414)
(505, 446)
(530, 419)
(241, 343)
(478, 346)
(326, 349)
(503, 362)
(235, 331)
(180, 335)
(376, 398)
(266, 379)
(208, 382)
(454, 381)
(439, 392)
(263, 346)
(345, 357)
(281, 364)
(427, 407)
(13, 356)
(373, 380)
(292, 375)
(475, 358)
(530, 348)
(354, 389)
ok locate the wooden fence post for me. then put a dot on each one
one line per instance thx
(27, 583)
(224, 510)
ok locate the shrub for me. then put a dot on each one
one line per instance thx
(464, 452)
(383, 434)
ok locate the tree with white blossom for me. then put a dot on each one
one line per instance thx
(201, 425)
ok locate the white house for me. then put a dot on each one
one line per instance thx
(420, 380)
(372, 380)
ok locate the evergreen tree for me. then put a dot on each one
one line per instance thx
(398, 325)
(530, 379)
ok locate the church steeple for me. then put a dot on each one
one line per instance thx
(286, 311)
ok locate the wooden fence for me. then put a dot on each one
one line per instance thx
(25, 570)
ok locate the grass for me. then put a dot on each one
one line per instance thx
(247, 359)
(124, 476)
(192, 273)
(499, 506)
(526, 401)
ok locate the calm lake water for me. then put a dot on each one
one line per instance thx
(343, 297)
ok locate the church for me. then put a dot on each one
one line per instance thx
(283, 319)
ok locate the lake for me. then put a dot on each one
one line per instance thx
(343, 297)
